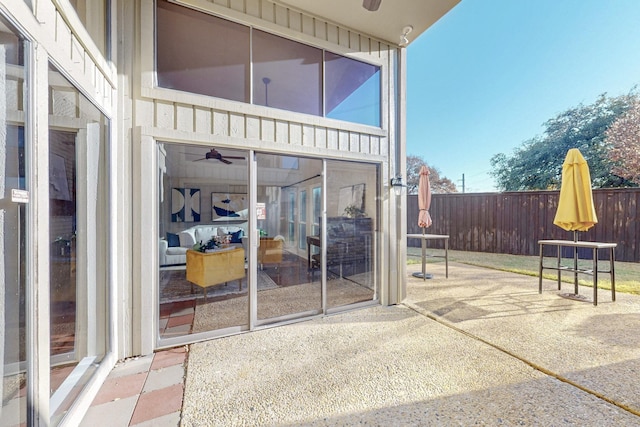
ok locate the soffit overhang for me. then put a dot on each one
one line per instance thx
(385, 24)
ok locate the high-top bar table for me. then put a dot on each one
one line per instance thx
(594, 246)
(424, 238)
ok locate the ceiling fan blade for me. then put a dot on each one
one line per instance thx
(197, 160)
(223, 160)
(234, 157)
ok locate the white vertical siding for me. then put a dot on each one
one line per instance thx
(254, 125)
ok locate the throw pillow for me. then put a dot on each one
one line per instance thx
(236, 237)
(173, 240)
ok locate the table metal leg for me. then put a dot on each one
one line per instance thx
(595, 277)
(540, 273)
(446, 258)
(575, 269)
(559, 255)
(613, 274)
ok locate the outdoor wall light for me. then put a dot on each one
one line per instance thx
(371, 5)
(397, 184)
(404, 41)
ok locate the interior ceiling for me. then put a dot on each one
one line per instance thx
(386, 23)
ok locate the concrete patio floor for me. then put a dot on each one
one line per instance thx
(482, 347)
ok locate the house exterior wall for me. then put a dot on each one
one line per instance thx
(123, 88)
(55, 36)
(169, 115)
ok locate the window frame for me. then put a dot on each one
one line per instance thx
(157, 91)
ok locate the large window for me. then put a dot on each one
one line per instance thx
(286, 74)
(200, 53)
(352, 90)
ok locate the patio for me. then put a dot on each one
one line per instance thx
(596, 349)
(481, 347)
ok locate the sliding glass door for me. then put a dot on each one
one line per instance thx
(78, 241)
(242, 242)
(352, 221)
(285, 288)
(15, 288)
(203, 217)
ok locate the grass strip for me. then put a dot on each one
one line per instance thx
(627, 273)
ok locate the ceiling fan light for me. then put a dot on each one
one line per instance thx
(371, 5)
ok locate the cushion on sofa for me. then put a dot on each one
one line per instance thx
(187, 238)
(173, 240)
(236, 237)
(223, 230)
(204, 233)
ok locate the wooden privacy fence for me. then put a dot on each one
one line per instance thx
(512, 223)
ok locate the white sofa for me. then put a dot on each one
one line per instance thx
(171, 255)
(177, 255)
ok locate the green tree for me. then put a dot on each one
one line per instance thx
(537, 164)
(439, 184)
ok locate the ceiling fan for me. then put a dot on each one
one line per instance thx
(213, 154)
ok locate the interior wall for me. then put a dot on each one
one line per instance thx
(341, 175)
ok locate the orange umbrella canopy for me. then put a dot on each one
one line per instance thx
(424, 198)
(576, 211)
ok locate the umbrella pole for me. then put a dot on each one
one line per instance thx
(425, 275)
(575, 262)
(424, 256)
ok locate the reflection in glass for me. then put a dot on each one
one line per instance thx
(315, 217)
(302, 220)
(287, 290)
(78, 241)
(13, 230)
(291, 216)
(202, 289)
(286, 74)
(352, 206)
(352, 90)
(200, 53)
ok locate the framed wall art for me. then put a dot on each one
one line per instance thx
(185, 205)
(229, 206)
(351, 200)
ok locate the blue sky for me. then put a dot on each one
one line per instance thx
(487, 75)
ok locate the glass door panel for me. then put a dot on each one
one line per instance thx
(203, 222)
(13, 230)
(352, 212)
(78, 241)
(285, 289)
(12, 280)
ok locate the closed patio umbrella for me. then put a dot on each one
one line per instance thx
(424, 199)
(576, 211)
(575, 206)
(424, 219)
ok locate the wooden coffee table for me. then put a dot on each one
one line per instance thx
(214, 268)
